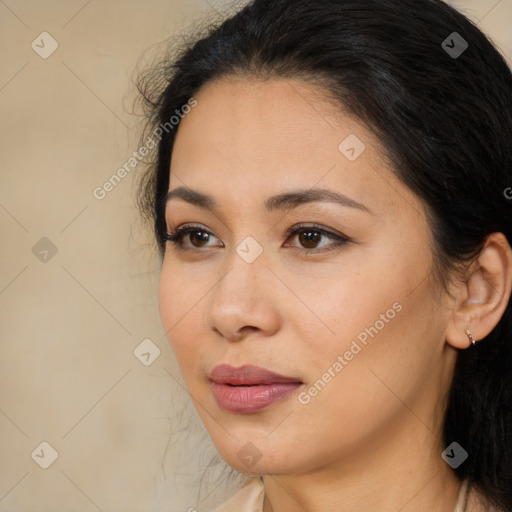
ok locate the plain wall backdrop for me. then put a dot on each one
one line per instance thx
(85, 367)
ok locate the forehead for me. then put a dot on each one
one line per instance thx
(267, 118)
(263, 137)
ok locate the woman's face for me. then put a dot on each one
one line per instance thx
(353, 323)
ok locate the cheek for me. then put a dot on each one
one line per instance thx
(338, 305)
(383, 345)
(179, 302)
(167, 293)
(370, 309)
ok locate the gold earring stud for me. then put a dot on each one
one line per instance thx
(470, 336)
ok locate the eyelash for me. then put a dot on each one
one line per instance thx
(176, 237)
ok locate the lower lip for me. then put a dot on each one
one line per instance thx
(248, 399)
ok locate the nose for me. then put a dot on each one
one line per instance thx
(245, 301)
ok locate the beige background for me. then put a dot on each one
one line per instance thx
(70, 321)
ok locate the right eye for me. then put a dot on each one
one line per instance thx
(197, 236)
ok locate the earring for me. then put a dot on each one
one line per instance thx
(470, 336)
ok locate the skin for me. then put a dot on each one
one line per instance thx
(371, 439)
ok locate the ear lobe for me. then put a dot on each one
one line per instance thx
(482, 299)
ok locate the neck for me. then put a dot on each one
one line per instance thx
(404, 473)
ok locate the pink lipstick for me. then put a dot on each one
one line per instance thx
(249, 389)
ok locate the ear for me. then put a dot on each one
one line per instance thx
(481, 300)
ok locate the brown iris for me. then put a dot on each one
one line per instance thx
(309, 237)
(200, 236)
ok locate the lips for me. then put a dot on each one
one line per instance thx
(247, 375)
(249, 389)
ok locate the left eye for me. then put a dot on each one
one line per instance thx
(310, 236)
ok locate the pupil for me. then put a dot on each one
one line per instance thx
(199, 235)
(311, 237)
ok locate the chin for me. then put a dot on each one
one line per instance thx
(255, 458)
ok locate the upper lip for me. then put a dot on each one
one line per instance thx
(247, 375)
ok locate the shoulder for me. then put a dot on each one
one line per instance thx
(248, 499)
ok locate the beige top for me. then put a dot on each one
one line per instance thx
(250, 498)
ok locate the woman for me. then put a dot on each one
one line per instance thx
(331, 200)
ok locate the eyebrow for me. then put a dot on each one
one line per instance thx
(285, 201)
